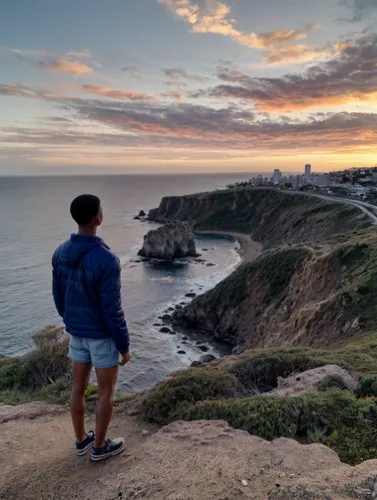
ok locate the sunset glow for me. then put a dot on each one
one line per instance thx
(159, 86)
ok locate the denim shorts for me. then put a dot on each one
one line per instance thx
(101, 352)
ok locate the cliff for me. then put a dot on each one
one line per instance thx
(269, 216)
(312, 286)
(183, 461)
(293, 296)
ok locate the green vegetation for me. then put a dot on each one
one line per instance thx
(225, 391)
(334, 418)
(43, 373)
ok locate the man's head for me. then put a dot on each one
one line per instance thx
(86, 211)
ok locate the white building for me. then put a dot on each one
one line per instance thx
(276, 177)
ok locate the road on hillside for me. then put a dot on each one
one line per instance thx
(367, 208)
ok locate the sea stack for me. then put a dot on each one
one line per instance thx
(172, 241)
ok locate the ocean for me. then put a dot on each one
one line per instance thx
(35, 219)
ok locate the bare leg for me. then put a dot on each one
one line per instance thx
(81, 376)
(106, 378)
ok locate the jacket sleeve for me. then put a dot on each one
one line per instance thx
(56, 290)
(111, 305)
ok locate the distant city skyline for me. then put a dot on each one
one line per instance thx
(185, 86)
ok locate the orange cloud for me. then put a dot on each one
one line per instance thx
(129, 95)
(215, 18)
(73, 67)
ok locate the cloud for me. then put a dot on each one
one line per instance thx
(360, 8)
(78, 63)
(63, 66)
(349, 77)
(129, 95)
(179, 77)
(215, 18)
(180, 125)
(47, 93)
(133, 71)
(174, 95)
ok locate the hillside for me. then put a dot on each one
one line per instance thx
(183, 461)
(269, 216)
(291, 296)
(314, 285)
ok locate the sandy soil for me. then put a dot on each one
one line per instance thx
(249, 249)
(203, 460)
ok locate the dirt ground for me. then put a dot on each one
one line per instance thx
(204, 460)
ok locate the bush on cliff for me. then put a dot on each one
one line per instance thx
(336, 419)
(44, 371)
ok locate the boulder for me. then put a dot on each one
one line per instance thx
(324, 377)
(203, 348)
(207, 358)
(142, 215)
(171, 241)
(165, 329)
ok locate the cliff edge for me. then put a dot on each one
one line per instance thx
(206, 460)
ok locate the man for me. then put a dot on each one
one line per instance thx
(86, 290)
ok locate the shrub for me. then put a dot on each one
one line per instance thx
(188, 387)
(324, 417)
(26, 378)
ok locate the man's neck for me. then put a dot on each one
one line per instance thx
(87, 231)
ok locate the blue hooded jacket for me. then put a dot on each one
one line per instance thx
(86, 288)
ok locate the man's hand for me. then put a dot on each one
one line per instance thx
(124, 359)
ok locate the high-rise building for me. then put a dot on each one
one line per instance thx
(308, 171)
(276, 177)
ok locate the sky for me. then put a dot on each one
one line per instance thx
(186, 86)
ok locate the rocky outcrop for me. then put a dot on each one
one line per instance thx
(208, 460)
(172, 241)
(324, 377)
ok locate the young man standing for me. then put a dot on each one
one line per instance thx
(86, 290)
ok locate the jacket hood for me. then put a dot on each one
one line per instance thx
(78, 246)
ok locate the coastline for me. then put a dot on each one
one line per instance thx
(249, 249)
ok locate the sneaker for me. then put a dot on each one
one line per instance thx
(84, 446)
(112, 447)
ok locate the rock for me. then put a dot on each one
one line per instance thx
(204, 249)
(179, 315)
(184, 342)
(181, 352)
(195, 364)
(184, 338)
(207, 358)
(172, 332)
(203, 348)
(171, 241)
(190, 295)
(182, 303)
(178, 307)
(244, 482)
(210, 264)
(145, 433)
(171, 309)
(142, 215)
(166, 317)
(326, 376)
(157, 324)
(165, 329)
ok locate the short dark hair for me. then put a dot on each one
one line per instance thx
(84, 208)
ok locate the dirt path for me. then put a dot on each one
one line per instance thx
(37, 459)
(203, 460)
